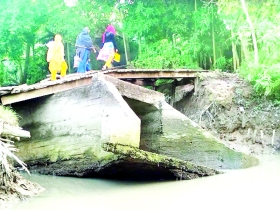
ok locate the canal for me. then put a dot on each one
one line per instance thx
(251, 188)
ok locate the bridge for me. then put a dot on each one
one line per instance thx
(142, 77)
(75, 132)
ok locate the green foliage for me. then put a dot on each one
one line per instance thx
(263, 74)
(8, 72)
(166, 54)
(161, 34)
(163, 55)
(185, 30)
(27, 24)
(266, 79)
(163, 81)
(8, 115)
(38, 66)
(37, 70)
(223, 64)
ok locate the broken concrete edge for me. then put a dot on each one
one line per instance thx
(158, 159)
(128, 90)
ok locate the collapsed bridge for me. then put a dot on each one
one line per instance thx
(75, 131)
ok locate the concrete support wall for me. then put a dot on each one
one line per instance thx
(184, 139)
(151, 123)
(74, 123)
(166, 131)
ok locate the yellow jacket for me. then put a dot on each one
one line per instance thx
(55, 54)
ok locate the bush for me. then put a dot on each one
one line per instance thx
(163, 55)
(8, 115)
(38, 67)
(223, 64)
(266, 79)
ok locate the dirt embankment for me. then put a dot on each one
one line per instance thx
(17, 190)
(227, 106)
(13, 187)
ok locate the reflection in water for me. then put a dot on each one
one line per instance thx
(251, 188)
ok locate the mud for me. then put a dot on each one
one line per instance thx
(227, 106)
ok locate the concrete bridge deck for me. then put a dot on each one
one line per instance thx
(154, 73)
(15, 94)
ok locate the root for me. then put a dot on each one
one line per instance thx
(204, 112)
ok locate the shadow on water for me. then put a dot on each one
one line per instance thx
(137, 172)
(250, 188)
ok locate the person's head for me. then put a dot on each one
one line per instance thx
(111, 29)
(86, 30)
(57, 38)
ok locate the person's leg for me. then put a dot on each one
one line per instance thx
(88, 67)
(109, 61)
(53, 75)
(110, 52)
(52, 68)
(82, 64)
(63, 69)
(63, 72)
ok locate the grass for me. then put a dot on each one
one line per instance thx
(7, 148)
(8, 115)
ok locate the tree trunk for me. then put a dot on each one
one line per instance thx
(256, 53)
(26, 64)
(125, 43)
(244, 47)
(213, 41)
(125, 49)
(68, 56)
(235, 58)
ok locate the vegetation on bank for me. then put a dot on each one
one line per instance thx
(8, 115)
(230, 35)
(11, 183)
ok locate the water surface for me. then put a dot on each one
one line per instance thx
(252, 188)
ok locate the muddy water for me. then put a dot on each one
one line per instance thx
(252, 188)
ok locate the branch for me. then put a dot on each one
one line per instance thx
(8, 130)
(204, 112)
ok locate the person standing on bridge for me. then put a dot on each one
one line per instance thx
(55, 55)
(84, 45)
(109, 47)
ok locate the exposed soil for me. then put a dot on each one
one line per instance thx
(226, 105)
(19, 189)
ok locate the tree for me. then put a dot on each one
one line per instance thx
(21, 22)
(159, 34)
(256, 54)
(26, 26)
(255, 29)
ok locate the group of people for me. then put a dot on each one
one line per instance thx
(83, 45)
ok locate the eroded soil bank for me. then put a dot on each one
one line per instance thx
(19, 189)
(226, 105)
